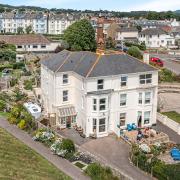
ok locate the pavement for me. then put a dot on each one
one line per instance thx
(173, 136)
(60, 163)
(115, 152)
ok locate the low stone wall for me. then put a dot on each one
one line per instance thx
(169, 122)
(95, 158)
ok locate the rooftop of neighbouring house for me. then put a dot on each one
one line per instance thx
(153, 31)
(24, 39)
(89, 64)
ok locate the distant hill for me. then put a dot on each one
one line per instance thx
(177, 11)
(151, 15)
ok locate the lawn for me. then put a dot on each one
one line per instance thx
(19, 162)
(173, 115)
(3, 114)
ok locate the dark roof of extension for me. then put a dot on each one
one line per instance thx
(88, 64)
(153, 31)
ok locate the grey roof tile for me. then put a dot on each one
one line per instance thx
(93, 65)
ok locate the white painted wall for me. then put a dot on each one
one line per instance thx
(123, 35)
(156, 41)
(79, 88)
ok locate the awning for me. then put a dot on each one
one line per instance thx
(67, 111)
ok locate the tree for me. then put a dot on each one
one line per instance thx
(29, 29)
(110, 43)
(20, 30)
(80, 36)
(135, 52)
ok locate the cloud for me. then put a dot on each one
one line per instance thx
(158, 5)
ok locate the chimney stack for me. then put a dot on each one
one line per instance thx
(146, 57)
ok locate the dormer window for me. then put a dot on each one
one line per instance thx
(100, 84)
(65, 78)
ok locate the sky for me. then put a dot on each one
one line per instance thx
(116, 5)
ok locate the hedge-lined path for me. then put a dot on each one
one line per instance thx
(61, 164)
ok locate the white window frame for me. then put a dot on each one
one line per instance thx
(122, 118)
(102, 125)
(140, 98)
(102, 104)
(147, 98)
(123, 100)
(94, 102)
(65, 78)
(147, 117)
(124, 81)
(100, 86)
(145, 79)
(65, 95)
(94, 124)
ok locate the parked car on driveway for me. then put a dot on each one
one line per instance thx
(157, 61)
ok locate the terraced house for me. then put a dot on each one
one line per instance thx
(99, 92)
(10, 22)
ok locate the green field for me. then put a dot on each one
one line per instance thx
(19, 162)
(173, 115)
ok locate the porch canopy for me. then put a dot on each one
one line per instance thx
(67, 111)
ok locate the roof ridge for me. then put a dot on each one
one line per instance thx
(80, 60)
(93, 66)
(70, 53)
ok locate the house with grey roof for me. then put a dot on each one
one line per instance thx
(100, 93)
(128, 34)
(156, 38)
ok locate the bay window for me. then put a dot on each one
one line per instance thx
(147, 98)
(147, 117)
(102, 104)
(102, 125)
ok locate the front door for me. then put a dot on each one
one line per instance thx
(68, 122)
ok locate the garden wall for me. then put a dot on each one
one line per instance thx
(169, 122)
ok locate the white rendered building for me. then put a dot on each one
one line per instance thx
(156, 38)
(99, 92)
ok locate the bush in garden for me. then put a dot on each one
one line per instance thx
(166, 75)
(18, 65)
(135, 52)
(68, 145)
(45, 136)
(2, 105)
(97, 172)
(12, 119)
(22, 124)
(13, 82)
(28, 85)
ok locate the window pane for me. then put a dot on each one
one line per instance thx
(142, 76)
(122, 119)
(102, 126)
(102, 121)
(148, 75)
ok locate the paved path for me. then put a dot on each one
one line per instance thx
(115, 153)
(60, 163)
(173, 136)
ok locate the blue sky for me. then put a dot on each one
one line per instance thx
(119, 5)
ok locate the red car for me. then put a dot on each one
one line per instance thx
(157, 61)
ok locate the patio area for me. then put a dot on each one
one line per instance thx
(73, 135)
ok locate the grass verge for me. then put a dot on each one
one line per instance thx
(173, 115)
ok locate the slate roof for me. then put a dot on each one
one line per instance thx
(127, 29)
(153, 31)
(24, 39)
(88, 64)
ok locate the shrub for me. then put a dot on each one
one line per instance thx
(97, 172)
(28, 84)
(18, 65)
(68, 145)
(12, 120)
(13, 82)
(2, 105)
(135, 52)
(22, 124)
(166, 75)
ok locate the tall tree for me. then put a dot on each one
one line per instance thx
(20, 30)
(80, 36)
(29, 29)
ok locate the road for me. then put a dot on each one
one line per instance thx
(173, 136)
(169, 63)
